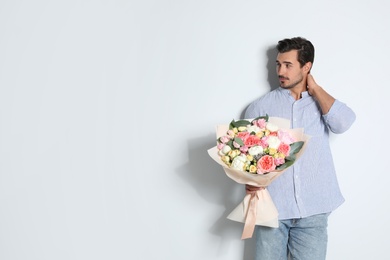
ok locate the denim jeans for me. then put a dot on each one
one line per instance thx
(295, 239)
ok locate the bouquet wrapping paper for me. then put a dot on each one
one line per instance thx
(257, 208)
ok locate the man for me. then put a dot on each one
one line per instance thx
(308, 191)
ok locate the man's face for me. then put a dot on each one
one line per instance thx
(289, 69)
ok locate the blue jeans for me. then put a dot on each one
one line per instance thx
(295, 239)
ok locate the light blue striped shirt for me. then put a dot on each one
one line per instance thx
(310, 186)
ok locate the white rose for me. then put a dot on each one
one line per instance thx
(239, 162)
(273, 142)
(253, 128)
(272, 127)
(255, 150)
(226, 149)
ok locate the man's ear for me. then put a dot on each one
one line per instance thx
(307, 67)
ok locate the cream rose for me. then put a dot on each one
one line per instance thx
(271, 127)
(253, 128)
(255, 150)
(273, 142)
(239, 163)
(225, 150)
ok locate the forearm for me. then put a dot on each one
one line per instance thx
(320, 95)
(324, 99)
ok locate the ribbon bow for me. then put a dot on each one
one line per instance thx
(250, 220)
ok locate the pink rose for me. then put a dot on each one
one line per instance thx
(244, 149)
(285, 137)
(284, 149)
(260, 123)
(242, 135)
(264, 142)
(265, 164)
(224, 139)
(279, 161)
(252, 140)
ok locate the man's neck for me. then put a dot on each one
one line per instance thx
(296, 91)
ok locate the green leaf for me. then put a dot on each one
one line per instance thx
(291, 157)
(238, 123)
(296, 147)
(239, 141)
(285, 165)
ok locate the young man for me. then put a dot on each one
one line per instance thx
(306, 193)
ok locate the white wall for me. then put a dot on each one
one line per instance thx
(107, 109)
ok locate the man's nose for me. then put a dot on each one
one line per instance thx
(280, 70)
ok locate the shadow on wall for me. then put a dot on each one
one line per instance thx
(213, 185)
(272, 79)
(272, 76)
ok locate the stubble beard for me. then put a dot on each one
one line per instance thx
(292, 84)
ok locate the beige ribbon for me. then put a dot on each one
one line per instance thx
(250, 220)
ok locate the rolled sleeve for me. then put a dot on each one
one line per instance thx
(339, 118)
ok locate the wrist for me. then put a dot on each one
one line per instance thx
(315, 90)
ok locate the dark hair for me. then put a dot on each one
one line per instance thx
(304, 47)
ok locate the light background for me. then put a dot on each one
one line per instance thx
(107, 109)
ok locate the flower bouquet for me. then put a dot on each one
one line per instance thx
(256, 152)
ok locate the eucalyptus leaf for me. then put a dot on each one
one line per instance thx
(239, 141)
(285, 165)
(291, 157)
(296, 147)
(239, 123)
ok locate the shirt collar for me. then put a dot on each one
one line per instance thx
(287, 92)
